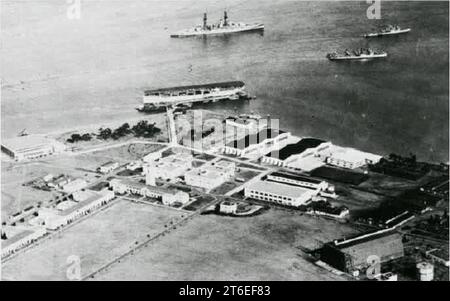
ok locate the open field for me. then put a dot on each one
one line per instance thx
(130, 152)
(96, 241)
(225, 187)
(387, 185)
(224, 248)
(339, 175)
(246, 174)
(357, 200)
(199, 202)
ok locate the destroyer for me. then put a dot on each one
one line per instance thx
(360, 54)
(185, 96)
(223, 27)
(389, 30)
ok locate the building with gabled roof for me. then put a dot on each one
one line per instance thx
(357, 252)
(255, 145)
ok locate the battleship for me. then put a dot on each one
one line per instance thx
(223, 27)
(186, 96)
(360, 54)
(389, 30)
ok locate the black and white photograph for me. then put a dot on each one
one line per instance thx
(207, 141)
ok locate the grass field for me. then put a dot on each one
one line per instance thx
(130, 152)
(201, 201)
(387, 185)
(224, 188)
(96, 241)
(213, 247)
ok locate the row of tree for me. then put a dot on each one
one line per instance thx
(142, 129)
(77, 137)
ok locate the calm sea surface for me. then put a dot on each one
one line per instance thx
(58, 72)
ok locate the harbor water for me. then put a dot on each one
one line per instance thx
(61, 72)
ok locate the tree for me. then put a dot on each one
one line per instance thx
(86, 137)
(4, 236)
(144, 129)
(104, 133)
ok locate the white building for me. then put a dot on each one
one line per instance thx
(153, 156)
(211, 175)
(310, 153)
(228, 207)
(248, 124)
(171, 197)
(169, 167)
(65, 213)
(292, 150)
(339, 213)
(31, 147)
(298, 180)
(280, 193)
(134, 165)
(48, 177)
(18, 237)
(256, 145)
(322, 187)
(59, 181)
(347, 157)
(74, 185)
(108, 167)
(167, 196)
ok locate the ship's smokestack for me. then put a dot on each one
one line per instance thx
(225, 18)
(205, 19)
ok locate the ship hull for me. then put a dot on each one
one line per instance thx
(185, 99)
(156, 105)
(380, 34)
(361, 57)
(256, 27)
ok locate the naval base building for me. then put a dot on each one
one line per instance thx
(31, 147)
(357, 253)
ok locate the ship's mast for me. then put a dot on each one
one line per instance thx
(225, 18)
(205, 19)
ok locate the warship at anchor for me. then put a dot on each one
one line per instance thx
(223, 27)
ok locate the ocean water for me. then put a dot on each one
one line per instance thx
(58, 73)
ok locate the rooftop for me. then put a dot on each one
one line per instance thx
(295, 177)
(18, 234)
(65, 205)
(94, 195)
(26, 142)
(193, 87)
(379, 238)
(295, 148)
(224, 164)
(139, 185)
(351, 154)
(254, 138)
(441, 253)
(278, 188)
